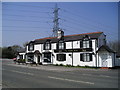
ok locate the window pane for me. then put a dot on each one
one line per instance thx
(85, 44)
(61, 57)
(61, 45)
(47, 46)
(88, 57)
(84, 57)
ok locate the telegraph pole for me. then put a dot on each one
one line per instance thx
(55, 21)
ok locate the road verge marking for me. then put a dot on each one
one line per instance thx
(105, 76)
(71, 80)
(22, 72)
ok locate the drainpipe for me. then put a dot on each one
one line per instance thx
(72, 53)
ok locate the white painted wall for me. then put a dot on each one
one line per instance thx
(94, 45)
(53, 46)
(117, 62)
(37, 47)
(77, 61)
(105, 59)
(21, 54)
(76, 44)
(68, 45)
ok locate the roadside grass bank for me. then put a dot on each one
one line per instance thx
(68, 65)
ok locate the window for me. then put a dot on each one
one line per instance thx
(47, 45)
(21, 57)
(86, 44)
(61, 57)
(61, 45)
(86, 57)
(31, 47)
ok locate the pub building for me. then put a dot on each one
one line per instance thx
(87, 49)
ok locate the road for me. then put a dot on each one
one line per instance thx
(21, 76)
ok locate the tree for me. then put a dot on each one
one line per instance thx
(114, 45)
(11, 51)
(0, 52)
(7, 52)
(24, 44)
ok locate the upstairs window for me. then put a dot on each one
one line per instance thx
(61, 45)
(31, 47)
(86, 42)
(47, 45)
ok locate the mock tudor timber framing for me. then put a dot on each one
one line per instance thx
(80, 49)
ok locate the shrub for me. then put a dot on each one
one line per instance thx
(56, 64)
(86, 66)
(61, 64)
(68, 65)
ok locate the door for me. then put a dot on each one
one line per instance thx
(104, 57)
(47, 57)
(38, 59)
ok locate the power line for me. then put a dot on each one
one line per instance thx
(28, 6)
(23, 20)
(23, 27)
(25, 16)
(79, 24)
(85, 24)
(23, 30)
(79, 28)
(87, 18)
(25, 11)
(113, 35)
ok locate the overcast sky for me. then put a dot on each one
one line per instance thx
(28, 21)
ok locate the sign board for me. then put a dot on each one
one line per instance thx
(74, 50)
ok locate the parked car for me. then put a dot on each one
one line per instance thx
(14, 59)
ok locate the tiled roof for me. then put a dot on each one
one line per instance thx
(70, 37)
(106, 48)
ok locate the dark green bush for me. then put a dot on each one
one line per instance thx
(68, 65)
(61, 64)
(56, 64)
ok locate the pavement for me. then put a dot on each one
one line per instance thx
(49, 76)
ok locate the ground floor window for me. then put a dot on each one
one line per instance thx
(21, 57)
(86, 57)
(61, 57)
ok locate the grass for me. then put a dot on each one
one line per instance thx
(68, 65)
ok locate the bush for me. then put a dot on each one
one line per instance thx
(21, 60)
(56, 64)
(86, 66)
(61, 64)
(68, 65)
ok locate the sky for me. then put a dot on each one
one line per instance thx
(26, 21)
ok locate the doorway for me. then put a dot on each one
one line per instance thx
(47, 57)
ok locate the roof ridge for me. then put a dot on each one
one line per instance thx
(82, 34)
(68, 35)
